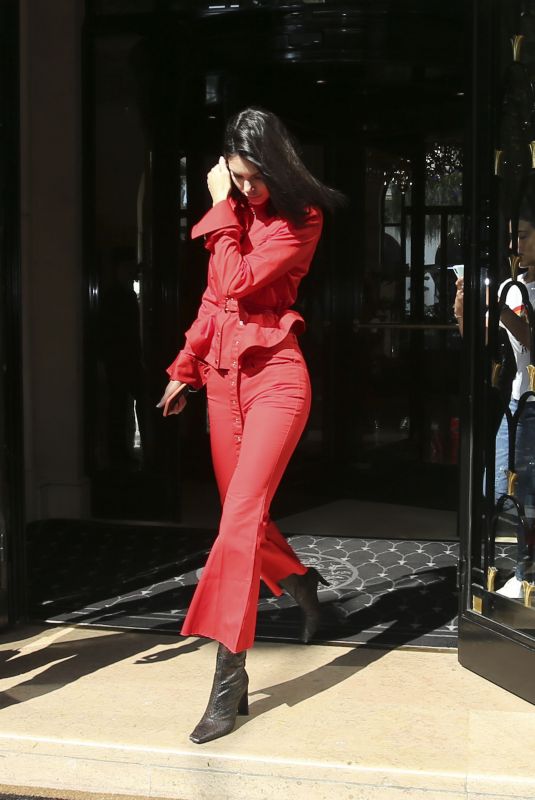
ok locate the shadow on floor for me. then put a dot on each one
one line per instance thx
(296, 690)
(64, 662)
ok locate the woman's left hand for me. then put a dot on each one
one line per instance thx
(219, 181)
(173, 388)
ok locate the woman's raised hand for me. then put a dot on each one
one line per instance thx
(219, 181)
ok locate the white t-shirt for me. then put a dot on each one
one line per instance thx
(514, 301)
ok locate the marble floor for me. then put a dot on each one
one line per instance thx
(109, 712)
(344, 516)
(350, 517)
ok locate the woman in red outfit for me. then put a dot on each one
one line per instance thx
(261, 234)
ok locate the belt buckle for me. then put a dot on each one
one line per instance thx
(231, 304)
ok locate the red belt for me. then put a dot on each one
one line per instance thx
(228, 304)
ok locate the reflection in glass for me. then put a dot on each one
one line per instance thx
(140, 206)
(422, 427)
(183, 192)
(393, 202)
(118, 272)
(511, 544)
(394, 265)
(384, 413)
(124, 382)
(443, 186)
(514, 480)
(431, 274)
(408, 245)
(407, 344)
(515, 456)
(213, 89)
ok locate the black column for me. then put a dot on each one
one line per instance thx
(12, 559)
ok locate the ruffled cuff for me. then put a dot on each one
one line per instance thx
(188, 369)
(222, 215)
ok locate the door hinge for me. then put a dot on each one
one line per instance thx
(3, 545)
(462, 570)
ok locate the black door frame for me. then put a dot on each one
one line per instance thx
(13, 581)
(485, 646)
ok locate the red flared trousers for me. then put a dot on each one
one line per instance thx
(257, 412)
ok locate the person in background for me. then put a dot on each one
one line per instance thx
(514, 320)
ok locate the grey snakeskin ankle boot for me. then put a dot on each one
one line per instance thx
(228, 697)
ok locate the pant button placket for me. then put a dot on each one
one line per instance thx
(234, 398)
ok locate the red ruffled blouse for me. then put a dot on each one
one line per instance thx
(256, 264)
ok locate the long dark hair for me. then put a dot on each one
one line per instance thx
(260, 137)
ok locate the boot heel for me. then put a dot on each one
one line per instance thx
(243, 705)
(320, 577)
(304, 590)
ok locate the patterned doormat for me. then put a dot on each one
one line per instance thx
(384, 593)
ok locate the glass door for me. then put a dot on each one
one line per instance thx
(406, 343)
(497, 627)
(137, 210)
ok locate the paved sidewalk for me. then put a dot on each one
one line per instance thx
(110, 712)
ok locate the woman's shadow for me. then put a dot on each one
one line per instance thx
(65, 661)
(440, 598)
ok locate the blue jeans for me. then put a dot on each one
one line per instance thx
(525, 469)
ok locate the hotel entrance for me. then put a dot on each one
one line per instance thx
(391, 106)
(381, 340)
(371, 495)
